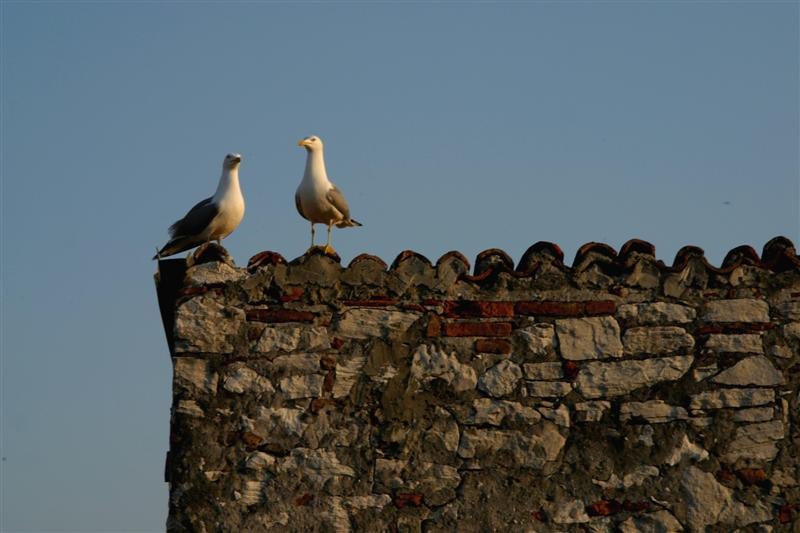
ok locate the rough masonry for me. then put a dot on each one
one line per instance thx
(618, 394)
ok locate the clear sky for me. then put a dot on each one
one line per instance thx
(449, 126)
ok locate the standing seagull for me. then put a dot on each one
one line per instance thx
(317, 199)
(212, 219)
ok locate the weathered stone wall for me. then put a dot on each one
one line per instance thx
(619, 394)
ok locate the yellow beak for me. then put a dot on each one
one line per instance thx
(302, 142)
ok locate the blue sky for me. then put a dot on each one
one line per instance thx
(449, 126)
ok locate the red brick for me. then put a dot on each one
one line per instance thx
(330, 377)
(601, 307)
(430, 302)
(279, 315)
(636, 507)
(411, 307)
(477, 329)
(501, 346)
(603, 508)
(251, 440)
(337, 343)
(327, 362)
(293, 295)
(434, 326)
(372, 302)
(318, 404)
(726, 476)
(478, 309)
(752, 476)
(303, 500)
(571, 369)
(785, 513)
(405, 499)
(548, 308)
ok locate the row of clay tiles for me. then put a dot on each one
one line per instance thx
(778, 255)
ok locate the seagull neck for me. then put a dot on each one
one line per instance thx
(228, 183)
(315, 167)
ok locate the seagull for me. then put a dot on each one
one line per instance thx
(211, 219)
(317, 199)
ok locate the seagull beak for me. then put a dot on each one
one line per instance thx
(303, 142)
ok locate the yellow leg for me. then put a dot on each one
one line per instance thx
(328, 248)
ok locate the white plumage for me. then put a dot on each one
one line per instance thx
(213, 218)
(317, 199)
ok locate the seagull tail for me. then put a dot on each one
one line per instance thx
(349, 223)
(176, 245)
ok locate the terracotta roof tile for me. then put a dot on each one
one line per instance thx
(778, 255)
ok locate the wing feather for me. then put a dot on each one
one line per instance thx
(337, 199)
(196, 220)
(299, 206)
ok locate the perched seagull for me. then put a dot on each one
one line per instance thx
(317, 199)
(212, 219)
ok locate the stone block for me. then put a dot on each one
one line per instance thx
(492, 447)
(716, 399)
(605, 380)
(746, 343)
(754, 444)
(203, 325)
(656, 340)
(654, 411)
(241, 379)
(501, 379)
(360, 323)
(494, 412)
(543, 371)
(592, 411)
(537, 338)
(290, 338)
(194, 375)
(756, 370)
(589, 338)
(547, 389)
(429, 363)
(657, 313)
(305, 386)
(738, 310)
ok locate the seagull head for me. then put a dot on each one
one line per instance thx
(311, 143)
(232, 161)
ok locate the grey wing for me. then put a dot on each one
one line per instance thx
(298, 205)
(196, 220)
(337, 199)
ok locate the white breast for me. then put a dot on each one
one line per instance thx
(231, 212)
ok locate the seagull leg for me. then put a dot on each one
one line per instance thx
(328, 248)
(312, 238)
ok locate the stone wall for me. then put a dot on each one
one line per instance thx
(618, 394)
